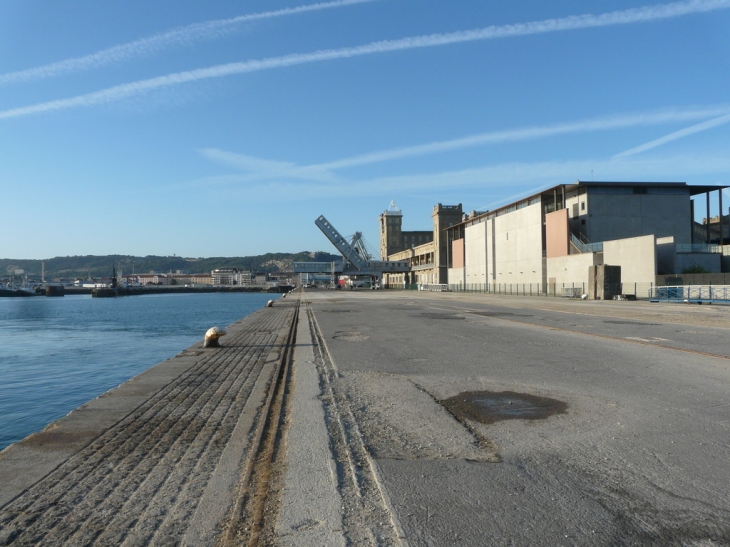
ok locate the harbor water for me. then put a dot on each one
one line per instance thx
(58, 353)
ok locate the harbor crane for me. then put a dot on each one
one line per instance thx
(341, 244)
(357, 259)
(358, 243)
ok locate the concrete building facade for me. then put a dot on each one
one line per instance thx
(555, 236)
(608, 211)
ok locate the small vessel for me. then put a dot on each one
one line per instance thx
(113, 290)
(16, 291)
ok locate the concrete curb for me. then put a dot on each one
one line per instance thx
(311, 508)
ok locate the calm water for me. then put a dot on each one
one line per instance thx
(58, 353)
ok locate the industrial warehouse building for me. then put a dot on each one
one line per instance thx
(554, 237)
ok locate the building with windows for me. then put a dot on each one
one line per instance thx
(427, 251)
(223, 276)
(392, 237)
(243, 278)
(233, 276)
(713, 230)
(202, 279)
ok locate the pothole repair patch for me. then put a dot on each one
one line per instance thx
(350, 336)
(441, 316)
(487, 407)
(399, 420)
(635, 323)
(498, 314)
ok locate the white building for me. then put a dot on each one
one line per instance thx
(243, 278)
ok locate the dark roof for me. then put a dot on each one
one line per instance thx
(623, 183)
(700, 189)
(693, 189)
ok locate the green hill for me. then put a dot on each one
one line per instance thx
(72, 267)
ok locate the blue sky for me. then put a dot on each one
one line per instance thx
(225, 128)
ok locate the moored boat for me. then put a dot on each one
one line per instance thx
(16, 291)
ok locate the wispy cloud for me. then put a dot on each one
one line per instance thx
(499, 182)
(635, 15)
(510, 176)
(261, 169)
(158, 42)
(697, 128)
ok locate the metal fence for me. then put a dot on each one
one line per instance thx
(586, 247)
(563, 290)
(433, 287)
(710, 294)
(639, 291)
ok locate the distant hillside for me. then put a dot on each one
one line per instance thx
(101, 266)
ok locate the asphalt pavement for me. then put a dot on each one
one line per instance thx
(638, 456)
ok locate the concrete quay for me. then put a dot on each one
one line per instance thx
(409, 419)
(157, 460)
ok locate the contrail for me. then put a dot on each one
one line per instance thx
(635, 15)
(496, 137)
(159, 42)
(263, 169)
(704, 126)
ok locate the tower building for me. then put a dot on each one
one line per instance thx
(444, 216)
(391, 237)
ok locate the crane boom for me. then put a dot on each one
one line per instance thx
(358, 243)
(340, 243)
(355, 253)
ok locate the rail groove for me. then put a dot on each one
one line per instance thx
(248, 520)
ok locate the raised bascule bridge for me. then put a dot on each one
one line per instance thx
(356, 259)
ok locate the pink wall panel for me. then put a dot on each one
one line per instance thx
(457, 252)
(557, 235)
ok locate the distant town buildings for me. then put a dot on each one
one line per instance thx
(168, 279)
(230, 277)
(238, 277)
(219, 277)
